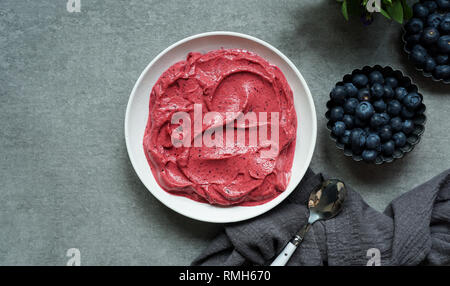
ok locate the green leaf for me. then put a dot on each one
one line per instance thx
(385, 14)
(344, 10)
(407, 10)
(396, 11)
(387, 2)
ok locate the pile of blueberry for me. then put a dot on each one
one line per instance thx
(375, 114)
(427, 38)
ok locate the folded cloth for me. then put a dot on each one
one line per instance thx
(414, 229)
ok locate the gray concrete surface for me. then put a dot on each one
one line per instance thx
(65, 178)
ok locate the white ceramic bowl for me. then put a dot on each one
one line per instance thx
(138, 108)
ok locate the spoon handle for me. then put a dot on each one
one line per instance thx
(290, 248)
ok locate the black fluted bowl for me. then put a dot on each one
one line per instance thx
(419, 119)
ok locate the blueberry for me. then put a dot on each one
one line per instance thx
(388, 148)
(444, 4)
(360, 80)
(337, 113)
(400, 93)
(408, 126)
(377, 90)
(406, 113)
(392, 81)
(420, 48)
(445, 25)
(385, 118)
(364, 94)
(388, 92)
(441, 59)
(396, 124)
(358, 140)
(394, 107)
(373, 141)
(376, 120)
(430, 35)
(350, 105)
(444, 44)
(369, 155)
(356, 133)
(434, 20)
(430, 64)
(414, 26)
(399, 139)
(442, 72)
(418, 55)
(364, 110)
(431, 6)
(385, 132)
(412, 101)
(338, 94)
(348, 120)
(345, 139)
(379, 106)
(351, 89)
(376, 77)
(420, 11)
(338, 128)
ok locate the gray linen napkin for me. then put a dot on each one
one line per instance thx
(414, 229)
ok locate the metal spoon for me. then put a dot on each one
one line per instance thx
(324, 203)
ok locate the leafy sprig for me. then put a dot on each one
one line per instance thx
(397, 10)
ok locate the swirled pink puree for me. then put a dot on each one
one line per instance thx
(221, 80)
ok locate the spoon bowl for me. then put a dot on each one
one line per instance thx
(324, 203)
